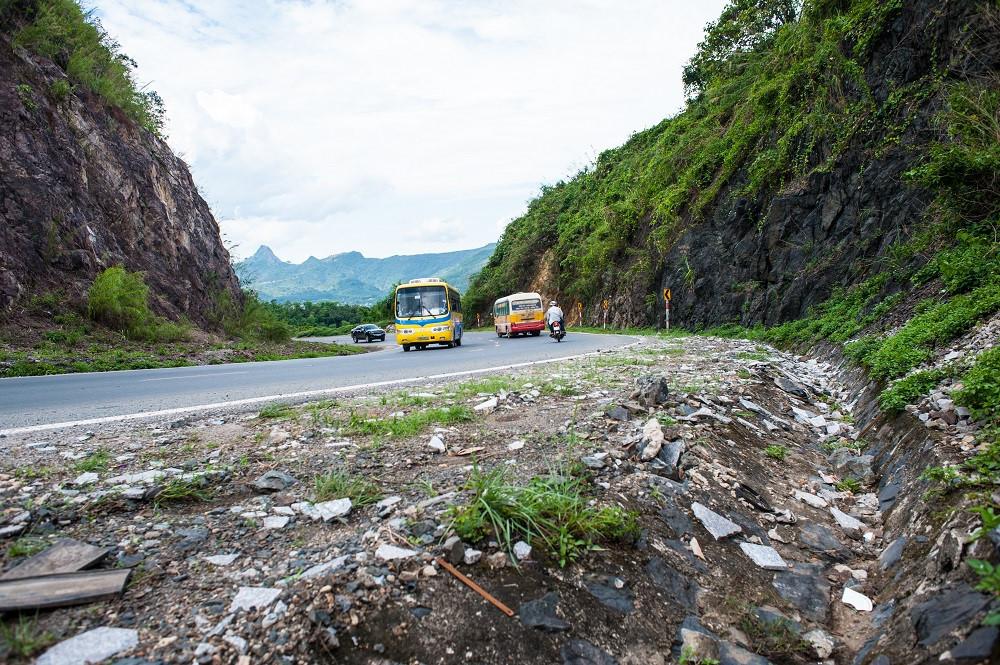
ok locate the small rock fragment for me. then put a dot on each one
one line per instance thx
(858, 601)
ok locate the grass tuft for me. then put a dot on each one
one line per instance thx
(340, 484)
(99, 460)
(276, 411)
(775, 451)
(21, 637)
(409, 424)
(26, 546)
(553, 511)
(184, 490)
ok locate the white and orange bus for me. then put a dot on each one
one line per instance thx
(519, 314)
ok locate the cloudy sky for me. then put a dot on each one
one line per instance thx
(398, 126)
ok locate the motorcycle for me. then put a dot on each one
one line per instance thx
(558, 332)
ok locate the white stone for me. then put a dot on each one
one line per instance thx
(276, 522)
(821, 642)
(858, 601)
(141, 478)
(306, 509)
(284, 510)
(818, 421)
(253, 597)
(237, 642)
(329, 510)
(323, 568)
(222, 559)
(716, 524)
(851, 526)
(472, 556)
(652, 436)
(764, 556)
(522, 550)
(436, 444)
(86, 478)
(387, 552)
(515, 445)
(488, 405)
(93, 646)
(388, 502)
(811, 499)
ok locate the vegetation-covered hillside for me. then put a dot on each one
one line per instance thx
(824, 143)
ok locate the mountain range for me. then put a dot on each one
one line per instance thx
(352, 277)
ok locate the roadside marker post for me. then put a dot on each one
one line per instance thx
(579, 314)
(667, 295)
(604, 305)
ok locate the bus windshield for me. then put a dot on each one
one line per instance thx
(523, 305)
(416, 301)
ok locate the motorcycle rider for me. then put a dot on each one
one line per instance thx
(553, 314)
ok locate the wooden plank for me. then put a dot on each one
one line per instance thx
(61, 590)
(65, 556)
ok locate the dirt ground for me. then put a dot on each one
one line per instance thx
(670, 587)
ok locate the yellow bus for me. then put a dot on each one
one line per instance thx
(428, 311)
(519, 314)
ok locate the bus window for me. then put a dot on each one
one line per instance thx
(525, 305)
(455, 300)
(421, 301)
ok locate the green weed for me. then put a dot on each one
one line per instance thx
(852, 485)
(553, 511)
(26, 546)
(774, 639)
(276, 411)
(181, 490)
(99, 460)
(21, 636)
(775, 451)
(407, 425)
(340, 484)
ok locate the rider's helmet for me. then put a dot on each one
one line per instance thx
(552, 303)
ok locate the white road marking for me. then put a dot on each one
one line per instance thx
(191, 376)
(287, 396)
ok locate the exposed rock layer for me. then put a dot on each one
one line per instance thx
(82, 188)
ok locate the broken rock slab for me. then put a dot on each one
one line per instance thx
(858, 601)
(92, 646)
(274, 481)
(329, 510)
(250, 597)
(652, 439)
(717, 525)
(386, 552)
(541, 614)
(853, 527)
(805, 586)
(764, 556)
(811, 499)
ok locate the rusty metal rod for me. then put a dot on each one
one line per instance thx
(475, 587)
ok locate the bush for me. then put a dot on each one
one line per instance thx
(909, 389)
(981, 386)
(119, 299)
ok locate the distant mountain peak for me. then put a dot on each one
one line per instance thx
(264, 253)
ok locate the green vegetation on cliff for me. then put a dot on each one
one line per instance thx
(74, 39)
(776, 95)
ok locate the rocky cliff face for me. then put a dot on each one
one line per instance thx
(83, 187)
(761, 198)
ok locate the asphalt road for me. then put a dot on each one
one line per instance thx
(68, 398)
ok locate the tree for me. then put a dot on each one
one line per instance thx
(743, 26)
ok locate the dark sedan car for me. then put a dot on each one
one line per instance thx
(368, 332)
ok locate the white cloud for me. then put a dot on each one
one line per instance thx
(320, 127)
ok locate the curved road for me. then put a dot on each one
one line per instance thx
(47, 401)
